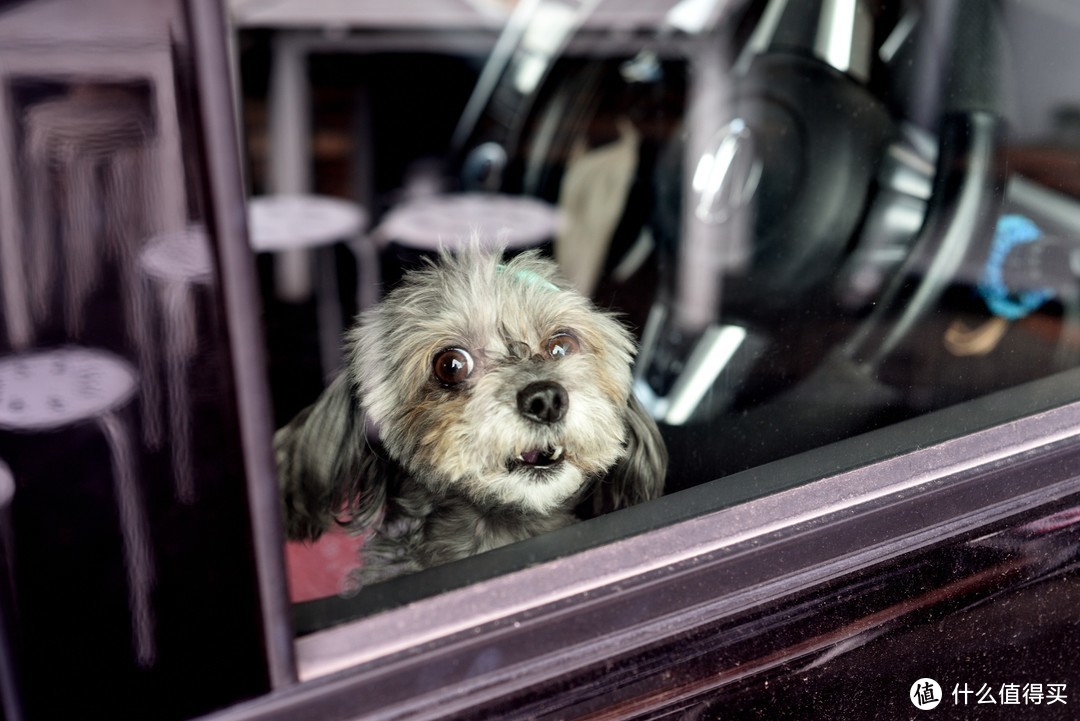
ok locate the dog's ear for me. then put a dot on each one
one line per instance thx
(640, 475)
(326, 465)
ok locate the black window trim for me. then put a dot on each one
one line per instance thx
(226, 218)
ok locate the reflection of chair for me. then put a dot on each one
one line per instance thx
(423, 226)
(176, 264)
(49, 391)
(290, 226)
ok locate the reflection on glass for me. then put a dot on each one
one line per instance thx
(176, 265)
(85, 151)
(116, 396)
(815, 217)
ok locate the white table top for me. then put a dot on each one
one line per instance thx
(370, 14)
(432, 15)
(47, 390)
(183, 256)
(102, 23)
(509, 221)
(291, 222)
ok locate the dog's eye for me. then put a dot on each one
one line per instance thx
(561, 345)
(452, 366)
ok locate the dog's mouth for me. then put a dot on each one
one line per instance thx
(539, 458)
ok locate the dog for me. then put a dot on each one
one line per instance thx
(501, 402)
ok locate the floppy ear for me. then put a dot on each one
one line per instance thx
(640, 475)
(326, 465)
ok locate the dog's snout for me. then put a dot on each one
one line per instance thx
(543, 402)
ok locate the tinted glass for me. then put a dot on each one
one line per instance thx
(134, 590)
(816, 218)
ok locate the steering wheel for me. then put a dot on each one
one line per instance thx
(830, 162)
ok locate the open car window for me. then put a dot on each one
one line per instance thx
(787, 308)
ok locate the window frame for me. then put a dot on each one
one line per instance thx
(219, 137)
(720, 559)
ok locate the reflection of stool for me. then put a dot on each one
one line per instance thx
(90, 195)
(7, 494)
(49, 391)
(421, 227)
(176, 263)
(291, 225)
(10, 704)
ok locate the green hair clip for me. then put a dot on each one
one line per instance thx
(531, 278)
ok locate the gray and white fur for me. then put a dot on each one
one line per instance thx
(501, 401)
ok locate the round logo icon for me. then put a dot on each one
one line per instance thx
(925, 694)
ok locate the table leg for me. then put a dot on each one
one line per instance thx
(136, 537)
(328, 308)
(369, 275)
(290, 151)
(181, 342)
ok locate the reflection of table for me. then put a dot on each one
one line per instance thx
(462, 27)
(177, 264)
(291, 226)
(51, 390)
(457, 26)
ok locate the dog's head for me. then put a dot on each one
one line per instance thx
(495, 381)
(485, 379)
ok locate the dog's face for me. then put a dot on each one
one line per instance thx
(495, 381)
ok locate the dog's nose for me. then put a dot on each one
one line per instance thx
(543, 402)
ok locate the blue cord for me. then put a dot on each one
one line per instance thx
(1011, 231)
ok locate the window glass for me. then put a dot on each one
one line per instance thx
(816, 219)
(118, 418)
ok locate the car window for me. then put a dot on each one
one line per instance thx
(814, 219)
(743, 246)
(120, 415)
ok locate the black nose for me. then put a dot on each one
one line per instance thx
(543, 402)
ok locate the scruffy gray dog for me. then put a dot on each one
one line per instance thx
(501, 399)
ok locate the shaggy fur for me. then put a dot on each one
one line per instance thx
(543, 429)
